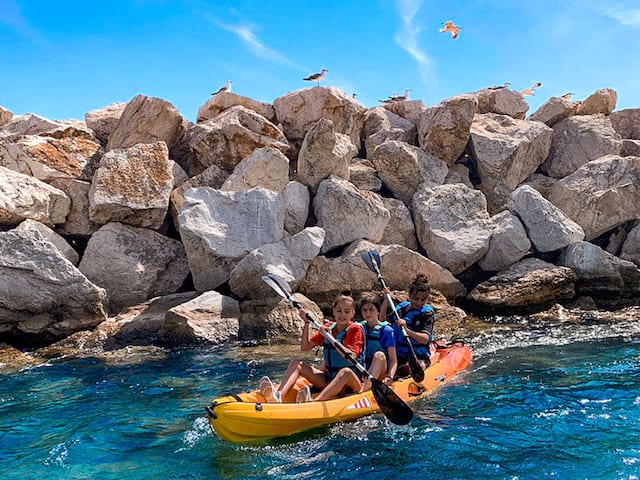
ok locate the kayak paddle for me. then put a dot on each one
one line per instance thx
(391, 405)
(372, 260)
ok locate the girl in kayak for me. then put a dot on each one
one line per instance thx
(418, 319)
(346, 331)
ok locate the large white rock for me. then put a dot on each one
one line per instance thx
(147, 120)
(403, 167)
(133, 264)
(77, 221)
(400, 230)
(600, 195)
(296, 199)
(288, 259)
(324, 153)
(547, 226)
(266, 167)
(508, 244)
(43, 297)
(507, 151)
(452, 225)
(348, 214)
(209, 319)
(132, 186)
(218, 229)
(631, 247)
(22, 197)
(104, 120)
(222, 101)
(60, 243)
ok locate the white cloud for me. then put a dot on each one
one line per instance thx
(628, 17)
(247, 35)
(407, 37)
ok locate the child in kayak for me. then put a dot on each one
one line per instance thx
(346, 331)
(418, 319)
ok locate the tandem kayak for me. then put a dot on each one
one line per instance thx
(247, 417)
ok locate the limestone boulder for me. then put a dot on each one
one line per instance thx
(46, 158)
(326, 277)
(224, 100)
(542, 183)
(507, 151)
(133, 264)
(502, 101)
(49, 235)
(601, 101)
(209, 319)
(265, 167)
(22, 197)
(348, 214)
(554, 110)
(408, 109)
(298, 111)
(132, 186)
(104, 120)
(213, 176)
(400, 230)
(627, 123)
(444, 129)
(528, 286)
(287, 259)
(43, 297)
(381, 125)
(600, 195)
(600, 273)
(296, 198)
(548, 228)
(364, 176)
(32, 124)
(323, 153)
(218, 229)
(577, 140)
(508, 244)
(403, 168)
(147, 120)
(77, 222)
(229, 138)
(452, 225)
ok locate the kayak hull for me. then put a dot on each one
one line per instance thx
(247, 417)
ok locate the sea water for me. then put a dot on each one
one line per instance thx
(560, 402)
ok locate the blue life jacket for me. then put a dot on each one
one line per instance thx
(421, 320)
(372, 341)
(333, 361)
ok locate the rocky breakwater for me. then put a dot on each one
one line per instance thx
(138, 227)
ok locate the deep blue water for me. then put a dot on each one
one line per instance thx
(561, 403)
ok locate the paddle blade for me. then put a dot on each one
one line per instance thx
(391, 405)
(372, 260)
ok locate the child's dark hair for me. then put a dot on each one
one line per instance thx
(344, 296)
(370, 297)
(420, 284)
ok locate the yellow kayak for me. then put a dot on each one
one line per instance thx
(247, 417)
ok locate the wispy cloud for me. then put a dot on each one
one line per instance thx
(247, 34)
(11, 16)
(629, 17)
(407, 37)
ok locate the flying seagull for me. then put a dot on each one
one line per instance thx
(316, 77)
(529, 91)
(450, 27)
(226, 88)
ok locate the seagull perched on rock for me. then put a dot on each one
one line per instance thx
(450, 27)
(499, 87)
(397, 98)
(567, 96)
(529, 91)
(226, 88)
(316, 77)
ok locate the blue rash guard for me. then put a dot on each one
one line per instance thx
(379, 338)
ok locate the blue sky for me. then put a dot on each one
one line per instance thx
(61, 59)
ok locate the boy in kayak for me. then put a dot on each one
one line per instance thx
(347, 332)
(418, 319)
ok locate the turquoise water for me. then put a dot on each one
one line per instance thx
(562, 402)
